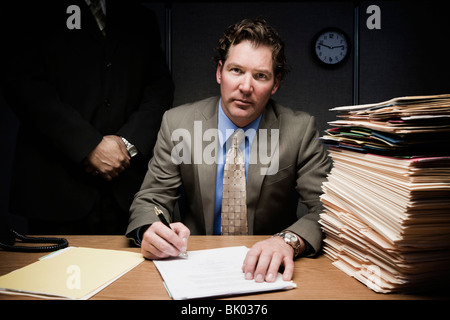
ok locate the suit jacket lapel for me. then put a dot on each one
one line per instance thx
(113, 33)
(89, 23)
(207, 172)
(256, 168)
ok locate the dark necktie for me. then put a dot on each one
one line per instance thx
(96, 9)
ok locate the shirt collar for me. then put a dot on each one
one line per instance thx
(102, 4)
(227, 127)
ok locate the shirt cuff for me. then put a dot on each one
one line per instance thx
(308, 249)
(138, 234)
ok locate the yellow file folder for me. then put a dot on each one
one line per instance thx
(71, 273)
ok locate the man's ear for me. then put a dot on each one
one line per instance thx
(219, 72)
(276, 85)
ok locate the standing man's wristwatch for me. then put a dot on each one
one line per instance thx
(291, 239)
(132, 150)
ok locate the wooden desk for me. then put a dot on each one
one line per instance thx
(316, 278)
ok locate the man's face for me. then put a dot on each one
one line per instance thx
(247, 81)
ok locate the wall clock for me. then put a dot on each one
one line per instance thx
(331, 46)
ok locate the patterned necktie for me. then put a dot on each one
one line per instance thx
(234, 204)
(96, 9)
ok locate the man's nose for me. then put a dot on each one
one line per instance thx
(246, 85)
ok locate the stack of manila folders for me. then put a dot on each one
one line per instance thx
(386, 202)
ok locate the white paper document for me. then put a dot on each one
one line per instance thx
(212, 272)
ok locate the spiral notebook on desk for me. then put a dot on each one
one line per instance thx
(212, 273)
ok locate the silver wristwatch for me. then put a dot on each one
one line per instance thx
(132, 150)
(291, 239)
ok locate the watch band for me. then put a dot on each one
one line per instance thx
(132, 150)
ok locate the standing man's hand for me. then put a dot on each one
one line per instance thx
(109, 158)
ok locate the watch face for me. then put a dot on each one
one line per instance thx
(331, 47)
(291, 237)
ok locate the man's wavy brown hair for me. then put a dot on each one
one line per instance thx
(258, 32)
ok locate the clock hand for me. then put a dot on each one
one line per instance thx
(324, 45)
(330, 47)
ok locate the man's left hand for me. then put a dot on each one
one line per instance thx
(265, 258)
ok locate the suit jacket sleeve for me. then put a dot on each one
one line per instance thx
(160, 186)
(313, 168)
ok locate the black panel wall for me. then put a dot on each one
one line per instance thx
(408, 55)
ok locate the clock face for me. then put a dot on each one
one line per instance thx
(331, 47)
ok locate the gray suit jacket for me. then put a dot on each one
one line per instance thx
(299, 166)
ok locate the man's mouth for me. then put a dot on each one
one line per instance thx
(243, 103)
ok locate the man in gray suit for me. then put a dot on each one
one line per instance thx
(285, 164)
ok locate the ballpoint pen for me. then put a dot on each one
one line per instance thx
(164, 221)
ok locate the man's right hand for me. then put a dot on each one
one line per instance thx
(161, 242)
(109, 158)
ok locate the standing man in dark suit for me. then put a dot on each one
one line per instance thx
(89, 87)
(285, 163)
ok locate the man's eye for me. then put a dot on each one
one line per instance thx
(235, 70)
(261, 76)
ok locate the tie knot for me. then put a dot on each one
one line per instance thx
(238, 137)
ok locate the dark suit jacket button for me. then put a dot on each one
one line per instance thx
(107, 103)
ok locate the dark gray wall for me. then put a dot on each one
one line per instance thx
(407, 56)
